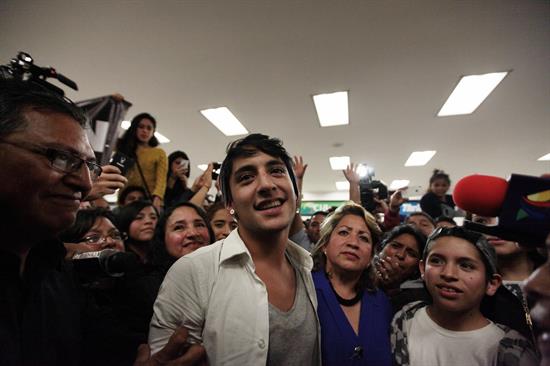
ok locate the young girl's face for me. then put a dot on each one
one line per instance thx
(439, 187)
(455, 275)
(143, 226)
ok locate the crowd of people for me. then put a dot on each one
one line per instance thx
(173, 276)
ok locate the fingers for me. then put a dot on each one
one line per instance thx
(174, 348)
(195, 354)
(109, 169)
(143, 355)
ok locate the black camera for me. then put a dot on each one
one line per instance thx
(122, 162)
(23, 68)
(370, 189)
(216, 170)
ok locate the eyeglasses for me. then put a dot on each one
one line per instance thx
(98, 239)
(61, 160)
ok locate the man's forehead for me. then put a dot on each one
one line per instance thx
(257, 159)
(56, 130)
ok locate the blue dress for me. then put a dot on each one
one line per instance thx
(339, 343)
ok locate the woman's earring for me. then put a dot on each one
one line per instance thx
(232, 212)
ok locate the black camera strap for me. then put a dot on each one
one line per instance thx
(147, 191)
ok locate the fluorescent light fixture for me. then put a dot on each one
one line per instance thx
(339, 162)
(544, 158)
(332, 108)
(202, 167)
(398, 184)
(342, 185)
(225, 121)
(470, 92)
(162, 139)
(419, 158)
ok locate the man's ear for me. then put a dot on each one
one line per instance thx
(422, 267)
(493, 284)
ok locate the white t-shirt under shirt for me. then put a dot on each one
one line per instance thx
(429, 344)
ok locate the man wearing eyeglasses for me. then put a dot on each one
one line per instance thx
(47, 166)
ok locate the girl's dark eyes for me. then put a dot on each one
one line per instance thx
(278, 170)
(244, 177)
(435, 260)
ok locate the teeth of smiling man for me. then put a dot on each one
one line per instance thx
(448, 289)
(270, 204)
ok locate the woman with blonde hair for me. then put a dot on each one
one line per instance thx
(355, 316)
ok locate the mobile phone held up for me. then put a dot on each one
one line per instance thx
(216, 170)
(122, 162)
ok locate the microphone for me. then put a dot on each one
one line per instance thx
(107, 262)
(522, 205)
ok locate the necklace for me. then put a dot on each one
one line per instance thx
(341, 300)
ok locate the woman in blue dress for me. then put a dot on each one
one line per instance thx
(355, 316)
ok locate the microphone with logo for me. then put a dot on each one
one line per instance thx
(107, 263)
(522, 205)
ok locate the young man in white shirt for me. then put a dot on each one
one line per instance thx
(459, 270)
(249, 298)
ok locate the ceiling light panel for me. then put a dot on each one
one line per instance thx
(398, 184)
(470, 92)
(544, 158)
(419, 158)
(225, 121)
(202, 167)
(339, 162)
(332, 108)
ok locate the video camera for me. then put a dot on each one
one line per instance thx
(369, 188)
(23, 68)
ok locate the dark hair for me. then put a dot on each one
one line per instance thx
(404, 229)
(366, 280)
(17, 96)
(324, 213)
(159, 255)
(445, 219)
(127, 144)
(126, 191)
(85, 219)
(213, 209)
(172, 157)
(421, 213)
(487, 251)
(128, 213)
(440, 174)
(247, 147)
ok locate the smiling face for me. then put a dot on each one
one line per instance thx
(223, 223)
(143, 226)
(185, 232)
(439, 187)
(38, 195)
(262, 194)
(105, 231)
(404, 249)
(349, 248)
(145, 131)
(455, 276)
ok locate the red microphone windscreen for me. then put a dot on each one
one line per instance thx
(480, 194)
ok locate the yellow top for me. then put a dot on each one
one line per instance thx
(154, 166)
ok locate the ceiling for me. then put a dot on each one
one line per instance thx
(265, 59)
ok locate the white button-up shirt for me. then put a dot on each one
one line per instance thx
(215, 293)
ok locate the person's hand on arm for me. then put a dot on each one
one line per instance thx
(107, 183)
(353, 178)
(177, 352)
(201, 186)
